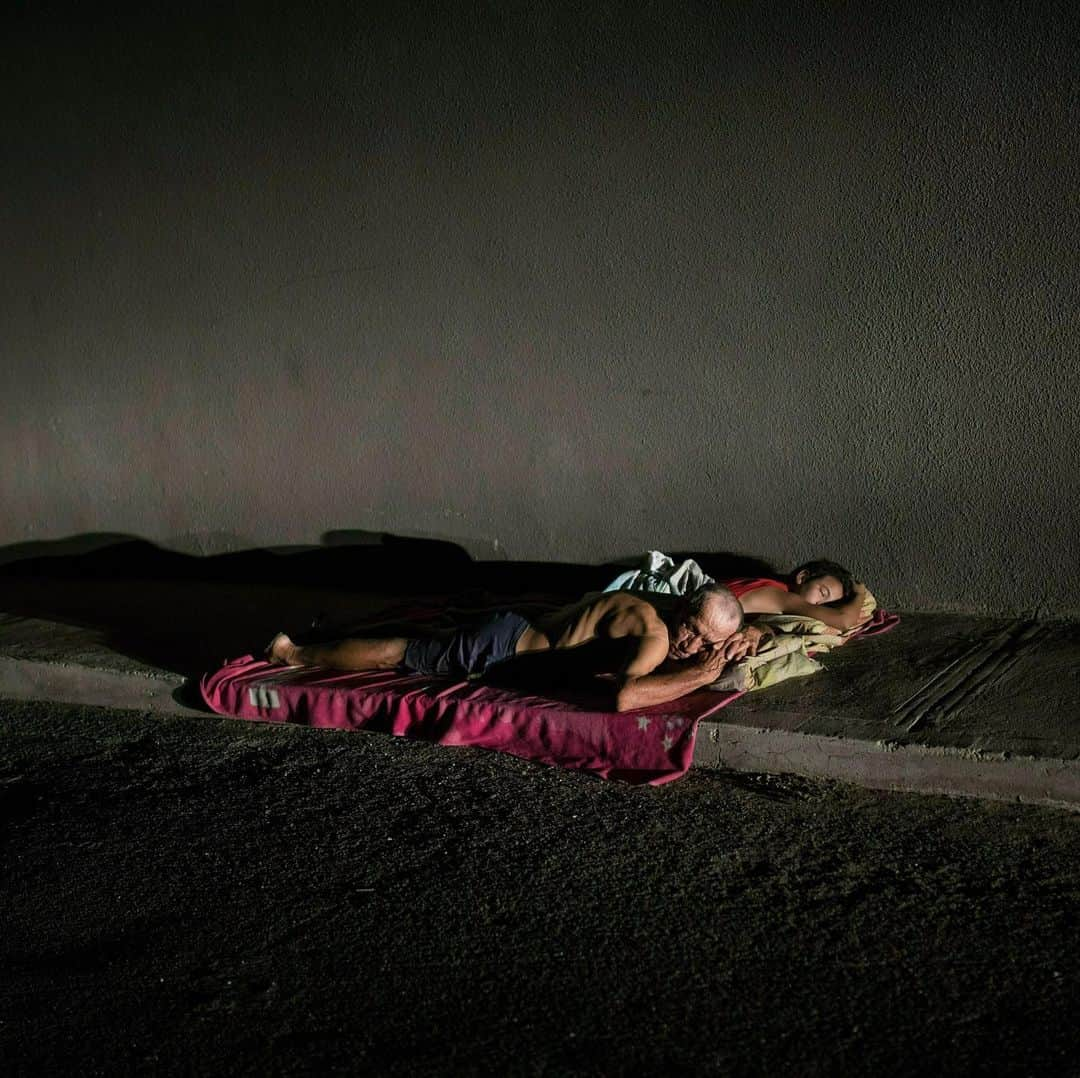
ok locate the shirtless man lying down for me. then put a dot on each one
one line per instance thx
(651, 648)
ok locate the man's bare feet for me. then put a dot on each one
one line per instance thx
(282, 650)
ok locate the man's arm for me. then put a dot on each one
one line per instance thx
(642, 684)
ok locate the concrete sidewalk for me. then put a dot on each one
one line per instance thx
(943, 704)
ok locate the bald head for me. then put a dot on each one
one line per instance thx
(707, 617)
(715, 602)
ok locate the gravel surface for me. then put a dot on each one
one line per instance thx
(211, 896)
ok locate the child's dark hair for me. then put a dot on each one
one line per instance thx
(815, 570)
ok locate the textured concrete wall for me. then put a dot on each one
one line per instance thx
(556, 283)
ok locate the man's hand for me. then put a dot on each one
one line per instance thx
(740, 644)
(754, 637)
(734, 647)
(711, 660)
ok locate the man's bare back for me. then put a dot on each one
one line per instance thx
(604, 615)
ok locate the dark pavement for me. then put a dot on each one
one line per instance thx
(198, 895)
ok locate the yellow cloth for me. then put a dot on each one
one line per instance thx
(785, 654)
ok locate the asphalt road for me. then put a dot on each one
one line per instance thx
(208, 896)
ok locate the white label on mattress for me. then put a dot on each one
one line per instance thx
(261, 696)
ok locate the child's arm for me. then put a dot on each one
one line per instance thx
(843, 617)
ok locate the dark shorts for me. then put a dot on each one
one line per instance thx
(470, 651)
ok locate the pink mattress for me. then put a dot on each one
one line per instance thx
(653, 745)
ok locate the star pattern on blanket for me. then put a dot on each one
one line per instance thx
(669, 729)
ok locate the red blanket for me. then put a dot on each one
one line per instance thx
(653, 745)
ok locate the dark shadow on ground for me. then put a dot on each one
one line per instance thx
(187, 613)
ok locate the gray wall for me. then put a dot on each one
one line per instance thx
(553, 281)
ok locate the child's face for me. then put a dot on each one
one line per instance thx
(824, 589)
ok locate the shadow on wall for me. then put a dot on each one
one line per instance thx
(188, 613)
